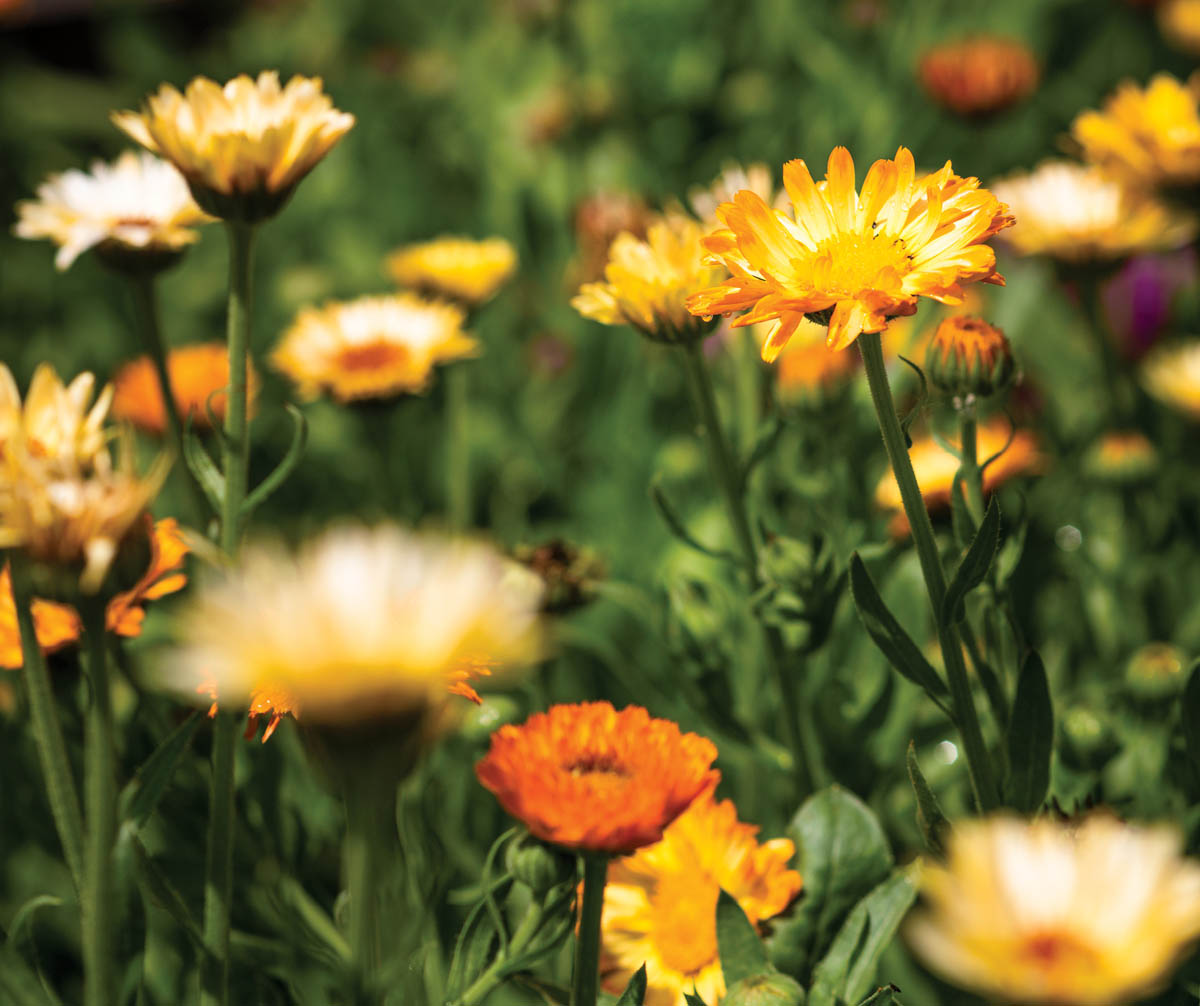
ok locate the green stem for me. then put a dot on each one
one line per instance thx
(47, 731)
(236, 441)
(366, 815)
(585, 982)
(458, 457)
(970, 461)
(979, 767)
(479, 989)
(100, 783)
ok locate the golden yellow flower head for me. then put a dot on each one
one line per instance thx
(243, 147)
(1171, 374)
(373, 347)
(57, 421)
(137, 212)
(358, 625)
(1180, 23)
(978, 76)
(967, 357)
(1049, 913)
(853, 260)
(462, 269)
(1148, 137)
(647, 283)
(1080, 214)
(660, 902)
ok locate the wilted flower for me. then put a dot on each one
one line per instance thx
(857, 260)
(967, 357)
(1048, 913)
(979, 75)
(373, 347)
(590, 778)
(462, 269)
(1171, 373)
(136, 210)
(660, 902)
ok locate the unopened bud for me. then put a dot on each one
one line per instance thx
(1156, 671)
(967, 357)
(772, 988)
(537, 865)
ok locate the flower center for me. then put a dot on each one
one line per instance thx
(373, 356)
(1054, 951)
(598, 764)
(846, 264)
(683, 910)
(136, 222)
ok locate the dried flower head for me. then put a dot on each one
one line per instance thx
(979, 76)
(461, 269)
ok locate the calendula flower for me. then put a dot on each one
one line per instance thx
(1121, 456)
(808, 371)
(55, 625)
(647, 283)
(590, 778)
(1078, 213)
(732, 180)
(1171, 374)
(861, 258)
(1046, 913)
(967, 357)
(1149, 137)
(660, 902)
(1180, 23)
(57, 421)
(935, 467)
(462, 269)
(358, 625)
(373, 347)
(978, 76)
(138, 208)
(242, 147)
(199, 375)
(598, 220)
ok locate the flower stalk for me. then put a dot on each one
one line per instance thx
(972, 474)
(585, 982)
(458, 458)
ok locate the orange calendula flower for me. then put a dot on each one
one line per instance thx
(969, 357)
(808, 371)
(1121, 456)
(462, 269)
(590, 778)
(199, 376)
(860, 259)
(978, 76)
(660, 903)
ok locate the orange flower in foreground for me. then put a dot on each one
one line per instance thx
(199, 376)
(590, 778)
(660, 903)
(979, 75)
(853, 260)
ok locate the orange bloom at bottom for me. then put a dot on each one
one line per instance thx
(660, 903)
(590, 778)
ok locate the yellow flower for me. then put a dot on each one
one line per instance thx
(462, 269)
(1049, 913)
(359, 624)
(1078, 214)
(138, 205)
(373, 347)
(1147, 137)
(978, 76)
(660, 902)
(55, 422)
(1172, 375)
(1180, 23)
(1121, 456)
(807, 370)
(242, 147)
(861, 258)
(647, 283)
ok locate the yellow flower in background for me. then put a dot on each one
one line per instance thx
(137, 204)
(660, 902)
(977, 76)
(807, 371)
(249, 138)
(462, 269)
(358, 625)
(57, 422)
(1180, 23)
(1048, 913)
(1121, 456)
(1171, 374)
(1148, 137)
(861, 258)
(1078, 213)
(647, 283)
(373, 347)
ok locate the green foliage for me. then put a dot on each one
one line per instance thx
(1030, 738)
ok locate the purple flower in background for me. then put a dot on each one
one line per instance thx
(1137, 301)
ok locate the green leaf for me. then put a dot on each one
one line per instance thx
(889, 635)
(162, 892)
(974, 565)
(141, 794)
(286, 466)
(847, 972)
(203, 468)
(24, 917)
(1010, 552)
(930, 819)
(676, 526)
(960, 514)
(883, 996)
(691, 999)
(635, 991)
(742, 952)
(1190, 714)
(764, 443)
(1030, 738)
(19, 984)
(843, 854)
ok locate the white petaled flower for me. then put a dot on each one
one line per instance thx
(137, 203)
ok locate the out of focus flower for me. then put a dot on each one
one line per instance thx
(732, 180)
(1171, 374)
(1149, 137)
(978, 76)
(967, 357)
(660, 902)
(807, 372)
(1137, 300)
(461, 269)
(1156, 671)
(56, 421)
(569, 573)
(856, 260)
(590, 778)
(242, 147)
(935, 467)
(598, 220)
(647, 283)
(373, 347)
(199, 375)
(1078, 214)
(359, 625)
(1121, 456)
(1180, 23)
(1048, 913)
(138, 207)
(55, 625)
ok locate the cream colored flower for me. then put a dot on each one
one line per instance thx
(55, 423)
(137, 204)
(373, 347)
(1172, 375)
(462, 269)
(1078, 213)
(1051, 913)
(732, 180)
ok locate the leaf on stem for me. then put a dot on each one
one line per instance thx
(1190, 710)
(635, 991)
(285, 467)
(974, 565)
(933, 823)
(203, 468)
(742, 952)
(675, 525)
(1030, 738)
(142, 793)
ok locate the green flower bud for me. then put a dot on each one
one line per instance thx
(771, 988)
(968, 358)
(1088, 740)
(1156, 671)
(537, 865)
